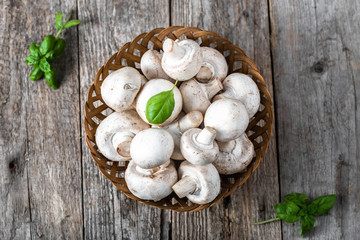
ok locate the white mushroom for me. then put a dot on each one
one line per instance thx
(152, 88)
(176, 129)
(200, 184)
(119, 89)
(181, 59)
(214, 65)
(228, 117)
(115, 132)
(196, 96)
(151, 148)
(234, 155)
(151, 65)
(241, 87)
(151, 184)
(198, 146)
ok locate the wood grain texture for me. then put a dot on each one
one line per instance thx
(245, 23)
(107, 25)
(316, 68)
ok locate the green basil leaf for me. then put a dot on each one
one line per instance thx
(307, 223)
(58, 21)
(31, 60)
(51, 78)
(59, 47)
(297, 198)
(47, 44)
(49, 56)
(160, 107)
(44, 65)
(34, 50)
(72, 23)
(321, 205)
(287, 211)
(36, 73)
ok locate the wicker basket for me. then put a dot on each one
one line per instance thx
(259, 129)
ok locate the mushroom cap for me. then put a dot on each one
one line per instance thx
(126, 122)
(243, 88)
(228, 117)
(151, 148)
(196, 96)
(155, 186)
(152, 88)
(207, 179)
(119, 89)
(151, 65)
(214, 65)
(234, 157)
(181, 59)
(196, 152)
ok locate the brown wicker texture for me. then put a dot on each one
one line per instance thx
(259, 129)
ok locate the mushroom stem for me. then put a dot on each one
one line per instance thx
(190, 120)
(206, 136)
(227, 147)
(121, 142)
(173, 48)
(205, 73)
(212, 87)
(187, 185)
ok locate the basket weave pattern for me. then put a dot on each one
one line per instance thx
(258, 131)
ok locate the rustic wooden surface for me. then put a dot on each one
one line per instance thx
(308, 51)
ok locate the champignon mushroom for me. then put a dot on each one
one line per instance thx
(198, 145)
(151, 148)
(176, 129)
(181, 59)
(119, 89)
(152, 88)
(115, 132)
(235, 155)
(151, 184)
(196, 96)
(228, 117)
(214, 65)
(200, 184)
(241, 87)
(151, 65)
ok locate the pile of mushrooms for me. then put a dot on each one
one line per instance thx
(204, 135)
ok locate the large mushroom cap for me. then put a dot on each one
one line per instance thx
(125, 123)
(228, 117)
(151, 65)
(119, 89)
(234, 156)
(214, 65)
(152, 88)
(154, 185)
(151, 148)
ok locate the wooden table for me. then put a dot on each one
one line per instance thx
(308, 52)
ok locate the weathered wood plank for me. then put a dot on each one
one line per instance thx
(109, 214)
(246, 24)
(316, 64)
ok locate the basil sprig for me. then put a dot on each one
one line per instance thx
(160, 106)
(295, 208)
(51, 47)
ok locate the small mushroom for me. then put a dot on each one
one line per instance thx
(181, 59)
(228, 117)
(116, 131)
(151, 65)
(214, 65)
(200, 184)
(198, 146)
(151, 148)
(151, 184)
(152, 88)
(241, 87)
(196, 96)
(176, 129)
(235, 155)
(120, 88)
